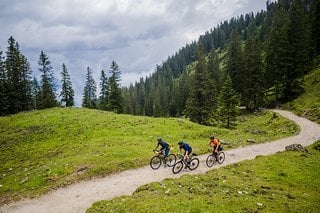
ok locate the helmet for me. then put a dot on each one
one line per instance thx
(211, 137)
(180, 142)
(159, 139)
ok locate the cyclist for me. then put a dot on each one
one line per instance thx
(216, 145)
(164, 147)
(187, 150)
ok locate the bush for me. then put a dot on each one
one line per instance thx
(317, 145)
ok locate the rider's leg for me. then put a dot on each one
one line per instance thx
(215, 154)
(166, 153)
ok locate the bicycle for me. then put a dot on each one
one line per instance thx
(192, 164)
(213, 158)
(159, 158)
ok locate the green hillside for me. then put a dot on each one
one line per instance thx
(45, 149)
(308, 104)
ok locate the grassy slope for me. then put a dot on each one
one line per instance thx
(42, 150)
(308, 104)
(283, 182)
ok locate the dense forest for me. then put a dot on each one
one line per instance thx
(253, 60)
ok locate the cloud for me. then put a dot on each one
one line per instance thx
(137, 34)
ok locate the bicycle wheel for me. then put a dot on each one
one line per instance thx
(155, 162)
(177, 167)
(171, 160)
(194, 163)
(211, 160)
(221, 157)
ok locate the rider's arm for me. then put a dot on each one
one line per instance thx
(157, 146)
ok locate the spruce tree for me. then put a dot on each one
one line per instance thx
(67, 92)
(140, 94)
(89, 99)
(4, 102)
(104, 91)
(315, 25)
(13, 76)
(115, 96)
(47, 92)
(200, 103)
(18, 79)
(214, 70)
(299, 50)
(228, 102)
(235, 62)
(253, 88)
(35, 94)
(26, 83)
(277, 54)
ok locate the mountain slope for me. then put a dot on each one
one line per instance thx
(308, 104)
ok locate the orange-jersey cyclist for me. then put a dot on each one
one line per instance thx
(215, 143)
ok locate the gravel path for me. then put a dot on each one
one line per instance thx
(80, 196)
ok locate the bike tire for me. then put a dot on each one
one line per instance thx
(171, 160)
(178, 166)
(211, 160)
(155, 162)
(221, 157)
(194, 163)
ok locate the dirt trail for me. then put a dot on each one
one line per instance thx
(80, 196)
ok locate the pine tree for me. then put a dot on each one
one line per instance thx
(26, 84)
(13, 76)
(235, 62)
(89, 99)
(253, 88)
(67, 93)
(115, 96)
(315, 24)
(180, 94)
(200, 103)
(18, 79)
(300, 50)
(228, 102)
(35, 94)
(104, 91)
(4, 102)
(141, 95)
(47, 92)
(277, 54)
(214, 70)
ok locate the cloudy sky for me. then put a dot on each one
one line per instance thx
(137, 34)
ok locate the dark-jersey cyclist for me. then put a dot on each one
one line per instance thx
(187, 150)
(165, 147)
(216, 145)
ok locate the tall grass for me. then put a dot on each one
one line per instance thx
(43, 150)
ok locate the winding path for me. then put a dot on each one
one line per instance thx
(80, 196)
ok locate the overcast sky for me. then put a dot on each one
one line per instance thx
(137, 34)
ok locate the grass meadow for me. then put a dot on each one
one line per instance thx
(46, 149)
